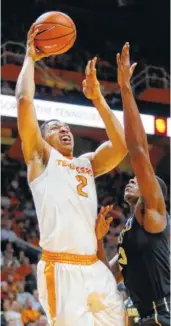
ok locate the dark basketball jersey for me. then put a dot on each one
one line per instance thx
(144, 263)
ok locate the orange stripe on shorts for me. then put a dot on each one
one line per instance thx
(49, 272)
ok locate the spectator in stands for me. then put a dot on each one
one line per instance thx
(35, 301)
(12, 313)
(1, 258)
(15, 272)
(11, 284)
(25, 268)
(9, 255)
(6, 232)
(4, 290)
(22, 295)
(33, 239)
(29, 210)
(29, 314)
(42, 321)
(21, 256)
(31, 279)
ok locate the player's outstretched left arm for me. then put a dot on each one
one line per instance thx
(110, 153)
(154, 217)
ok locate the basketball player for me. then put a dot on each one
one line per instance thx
(143, 248)
(75, 288)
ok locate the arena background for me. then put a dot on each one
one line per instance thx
(102, 27)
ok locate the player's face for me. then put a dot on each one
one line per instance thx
(59, 136)
(132, 192)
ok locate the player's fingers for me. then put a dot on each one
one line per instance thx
(94, 63)
(87, 71)
(123, 52)
(109, 220)
(92, 69)
(91, 65)
(133, 68)
(125, 57)
(40, 56)
(31, 31)
(84, 83)
(93, 75)
(108, 209)
(127, 54)
(101, 210)
(118, 60)
(33, 35)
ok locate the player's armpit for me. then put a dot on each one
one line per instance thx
(154, 219)
(28, 127)
(106, 157)
(114, 266)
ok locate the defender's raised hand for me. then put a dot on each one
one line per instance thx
(125, 70)
(91, 86)
(103, 224)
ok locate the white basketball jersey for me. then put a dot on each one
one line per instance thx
(66, 205)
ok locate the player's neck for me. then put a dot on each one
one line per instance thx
(69, 157)
(66, 154)
(132, 209)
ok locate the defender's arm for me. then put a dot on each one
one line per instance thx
(154, 219)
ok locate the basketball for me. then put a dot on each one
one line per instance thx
(56, 33)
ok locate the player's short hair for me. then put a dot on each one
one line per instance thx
(162, 186)
(43, 126)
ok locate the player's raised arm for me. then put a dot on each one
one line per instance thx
(112, 152)
(28, 127)
(154, 217)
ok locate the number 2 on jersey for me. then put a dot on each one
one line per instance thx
(82, 183)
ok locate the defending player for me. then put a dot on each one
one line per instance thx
(143, 248)
(75, 288)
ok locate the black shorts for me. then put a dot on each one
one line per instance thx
(161, 319)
